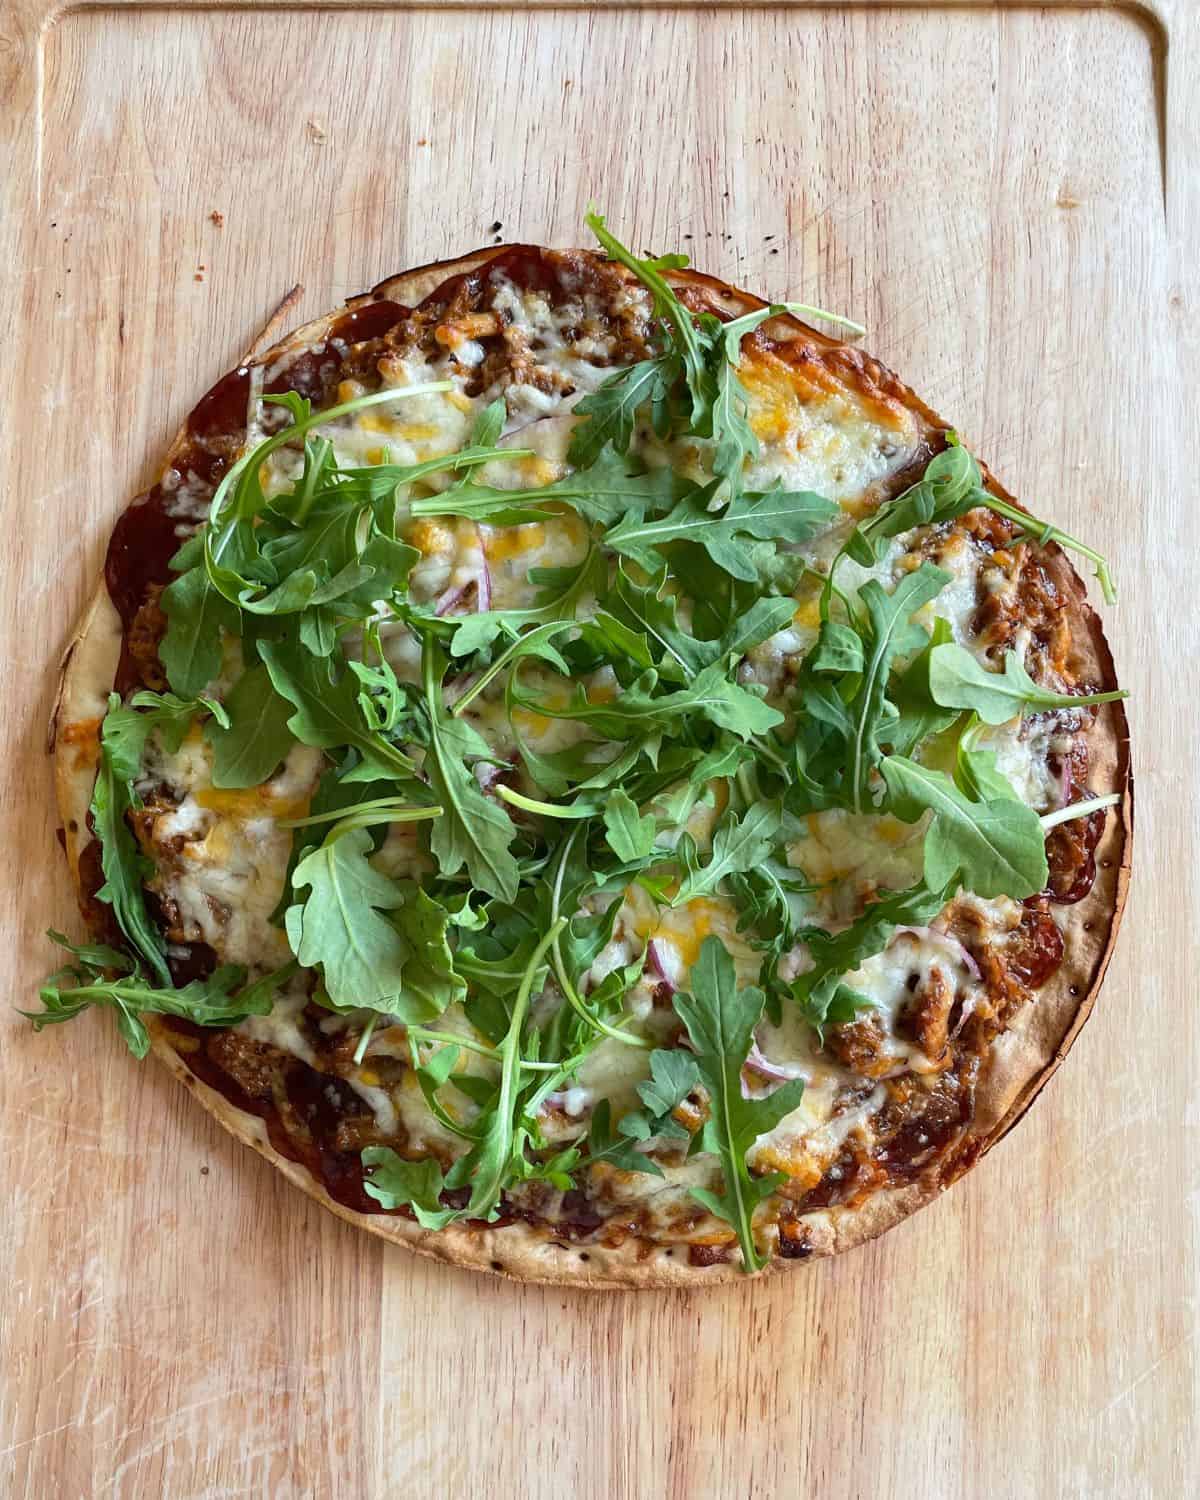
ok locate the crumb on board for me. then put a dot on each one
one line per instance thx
(423, 140)
(217, 219)
(316, 132)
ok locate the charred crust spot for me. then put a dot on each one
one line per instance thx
(709, 1255)
(794, 1240)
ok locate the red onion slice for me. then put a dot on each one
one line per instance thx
(657, 962)
(486, 774)
(450, 599)
(483, 599)
(775, 1072)
(944, 941)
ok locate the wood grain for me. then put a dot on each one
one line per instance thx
(1008, 197)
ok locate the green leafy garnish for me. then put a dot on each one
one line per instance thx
(822, 997)
(777, 516)
(738, 845)
(328, 713)
(254, 738)
(720, 1019)
(958, 680)
(341, 928)
(474, 831)
(560, 766)
(215, 1001)
(396, 1183)
(994, 848)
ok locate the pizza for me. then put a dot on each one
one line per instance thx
(590, 777)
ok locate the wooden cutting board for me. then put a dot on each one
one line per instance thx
(1009, 199)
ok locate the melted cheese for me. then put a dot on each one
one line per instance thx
(221, 854)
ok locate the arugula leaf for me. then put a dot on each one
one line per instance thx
(122, 862)
(919, 716)
(616, 1146)
(637, 711)
(950, 479)
(839, 650)
(328, 714)
(957, 680)
(489, 424)
(474, 830)
(255, 737)
(735, 439)
(777, 515)
(333, 799)
(197, 617)
(384, 700)
(490, 1164)
(431, 981)
(952, 485)
(720, 1019)
(207, 1002)
(535, 642)
(92, 958)
(611, 410)
(339, 927)
(562, 590)
(607, 490)
(396, 1183)
(341, 556)
(673, 1076)
(738, 845)
(820, 994)
(994, 848)
(127, 727)
(892, 633)
(975, 771)
(687, 349)
(630, 836)
(232, 559)
(650, 610)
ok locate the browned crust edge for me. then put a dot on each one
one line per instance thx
(1031, 1052)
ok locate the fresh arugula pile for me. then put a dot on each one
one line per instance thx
(679, 582)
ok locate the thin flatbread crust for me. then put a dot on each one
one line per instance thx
(1022, 1059)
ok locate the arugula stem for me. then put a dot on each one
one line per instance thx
(768, 753)
(517, 647)
(803, 310)
(486, 1189)
(368, 1030)
(1046, 533)
(667, 303)
(423, 1034)
(574, 810)
(215, 549)
(1079, 810)
(366, 814)
(570, 993)
(465, 458)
